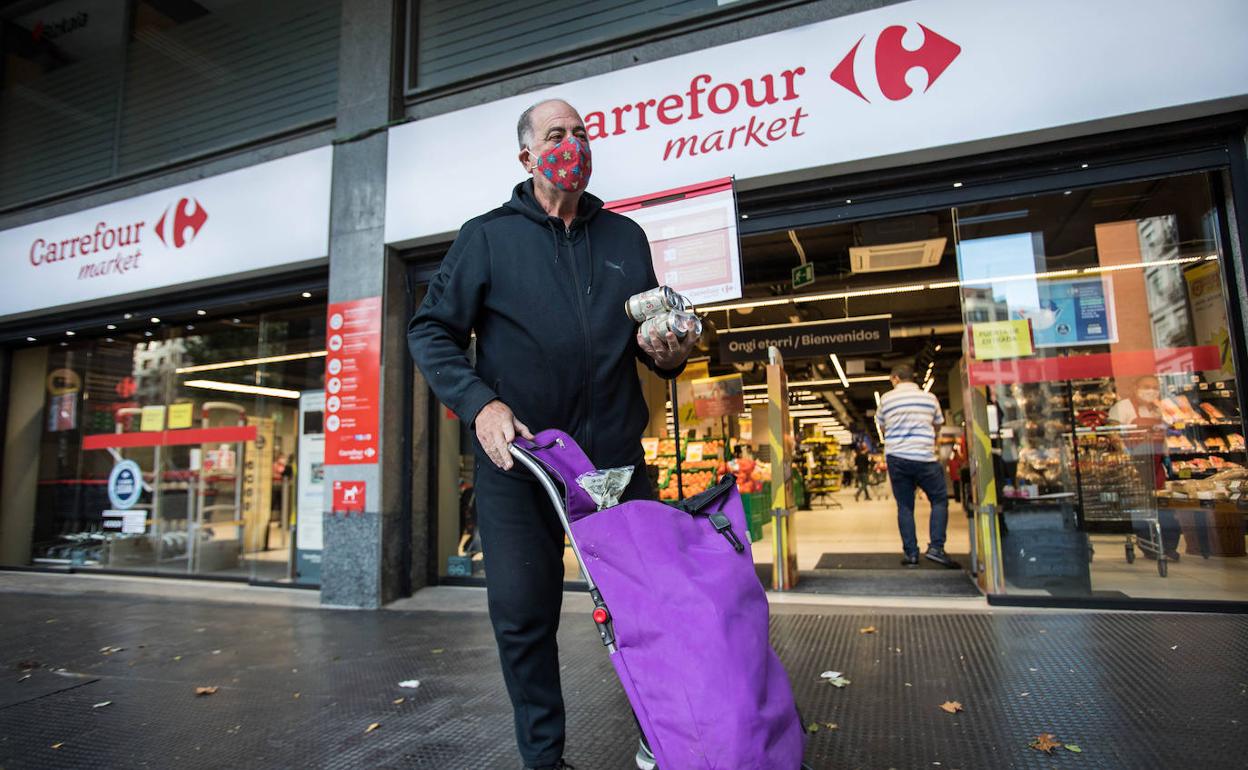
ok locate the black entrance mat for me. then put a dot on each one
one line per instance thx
(878, 582)
(880, 561)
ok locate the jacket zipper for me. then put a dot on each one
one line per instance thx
(589, 364)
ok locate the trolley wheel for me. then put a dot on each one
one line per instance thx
(1130, 554)
(1163, 566)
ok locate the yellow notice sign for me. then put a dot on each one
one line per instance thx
(180, 415)
(694, 370)
(153, 418)
(1001, 339)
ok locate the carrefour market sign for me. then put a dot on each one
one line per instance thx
(247, 221)
(911, 81)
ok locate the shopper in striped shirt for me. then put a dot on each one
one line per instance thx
(909, 419)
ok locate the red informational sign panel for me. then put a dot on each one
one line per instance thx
(352, 380)
(348, 497)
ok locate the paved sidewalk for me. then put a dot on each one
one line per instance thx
(299, 686)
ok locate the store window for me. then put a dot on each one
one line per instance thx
(93, 89)
(1105, 392)
(185, 448)
(450, 41)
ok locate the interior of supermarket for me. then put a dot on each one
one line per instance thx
(1078, 342)
(184, 444)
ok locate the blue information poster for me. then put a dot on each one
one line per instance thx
(1077, 311)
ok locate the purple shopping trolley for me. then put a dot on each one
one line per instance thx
(682, 614)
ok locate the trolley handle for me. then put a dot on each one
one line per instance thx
(602, 618)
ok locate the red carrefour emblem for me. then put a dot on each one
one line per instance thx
(893, 61)
(174, 228)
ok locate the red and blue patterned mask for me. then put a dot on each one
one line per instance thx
(566, 165)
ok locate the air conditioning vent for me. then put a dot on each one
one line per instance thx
(896, 256)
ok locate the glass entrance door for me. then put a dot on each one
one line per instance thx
(1106, 423)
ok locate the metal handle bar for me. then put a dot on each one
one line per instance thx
(602, 618)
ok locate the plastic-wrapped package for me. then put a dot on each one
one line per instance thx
(606, 486)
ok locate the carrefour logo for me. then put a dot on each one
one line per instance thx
(893, 61)
(110, 248)
(174, 228)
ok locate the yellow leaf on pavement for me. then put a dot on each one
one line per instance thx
(867, 630)
(205, 690)
(1045, 742)
(372, 727)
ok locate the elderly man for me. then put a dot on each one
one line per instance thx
(542, 281)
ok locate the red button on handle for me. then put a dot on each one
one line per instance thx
(600, 615)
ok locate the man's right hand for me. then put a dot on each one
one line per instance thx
(496, 428)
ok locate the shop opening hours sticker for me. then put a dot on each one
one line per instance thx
(352, 378)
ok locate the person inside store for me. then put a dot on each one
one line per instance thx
(1147, 447)
(541, 281)
(862, 470)
(910, 418)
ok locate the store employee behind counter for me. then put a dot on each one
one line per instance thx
(541, 280)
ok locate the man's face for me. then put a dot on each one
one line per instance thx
(552, 123)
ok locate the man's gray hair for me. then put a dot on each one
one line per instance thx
(904, 372)
(524, 126)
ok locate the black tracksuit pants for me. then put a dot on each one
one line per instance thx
(522, 541)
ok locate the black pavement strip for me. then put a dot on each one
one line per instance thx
(881, 561)
(1133, 690)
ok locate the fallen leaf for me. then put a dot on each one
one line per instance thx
(410, 683)
(951, 706)
(840, 681)
(1175, 647)
(832, 725)
(296, 696)
(1023, 694)
(909, 685)
(205, 691)
(58, 745)
(812, 728)
(1074, 748)
(1045, 742)
(177, 657)
(102, 705)
(216, 652)
(1033, 670)
(867, 630)
(23, 679)
(372, 727)
(397, 701)
(438, 651)
(830, 674)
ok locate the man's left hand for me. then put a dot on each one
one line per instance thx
(667, 350)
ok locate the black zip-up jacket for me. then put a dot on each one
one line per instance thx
(547, 305)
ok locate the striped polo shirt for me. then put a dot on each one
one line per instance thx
(909, 417)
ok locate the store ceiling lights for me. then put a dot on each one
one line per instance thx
(235, 387)
(840, 371)
(951, 284)
(69, 334)
(201, 312)
(110, 327)
(249, 362)
(155, 320)
(30, 339)
(306, 295)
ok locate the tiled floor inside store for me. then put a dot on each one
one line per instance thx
(853, 527)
